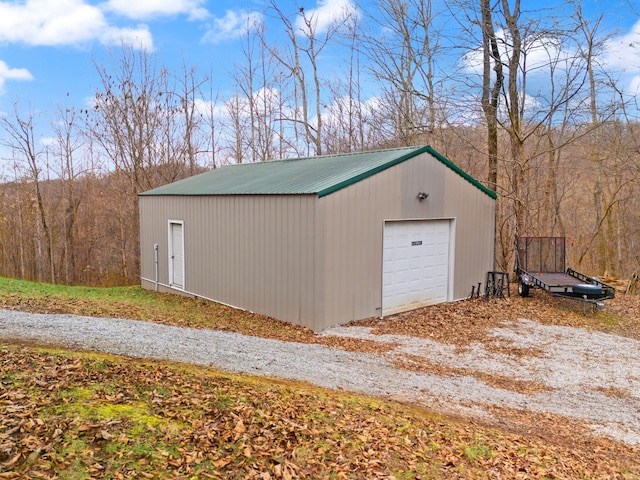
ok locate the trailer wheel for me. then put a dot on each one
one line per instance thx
(523, 289)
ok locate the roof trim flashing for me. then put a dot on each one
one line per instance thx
(426, 149)
(461, 172)
(370, 173)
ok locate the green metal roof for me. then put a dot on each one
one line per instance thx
(321, 175)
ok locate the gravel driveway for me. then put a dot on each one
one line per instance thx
(588, 376)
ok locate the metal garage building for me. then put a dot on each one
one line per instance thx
(322, 240)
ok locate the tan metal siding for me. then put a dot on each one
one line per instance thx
(148, 222)
(255, 252)
(474, 214)
(354, 219)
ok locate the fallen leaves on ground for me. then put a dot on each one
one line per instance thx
(127, 433)
(468, 321)
(420, 364)
(76, 415)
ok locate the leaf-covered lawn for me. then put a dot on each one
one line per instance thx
(71, 415)
(77, 416)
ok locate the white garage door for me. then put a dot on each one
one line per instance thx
(415, 264)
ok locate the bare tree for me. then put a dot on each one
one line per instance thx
(491, 61)
(236, 109)
(211, 125)
(260, 101)
(17, 217)
(301, 62)
(126, 120)
(144, 122)
(404, 50)
(345, 124)
(21, 140)
(190, 118)
(514, 101)
(67, 143)
(146, 126)
(601, 212)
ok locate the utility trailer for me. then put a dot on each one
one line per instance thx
(541, 262)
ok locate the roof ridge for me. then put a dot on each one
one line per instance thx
(327, 155)
(313, 175)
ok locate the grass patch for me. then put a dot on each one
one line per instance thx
(137, 303)
(74, 394)
(478, 451)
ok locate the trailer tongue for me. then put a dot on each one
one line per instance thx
(540, 262)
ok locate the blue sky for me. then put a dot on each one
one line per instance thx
(47, 47)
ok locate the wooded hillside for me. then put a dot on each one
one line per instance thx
(523, 102)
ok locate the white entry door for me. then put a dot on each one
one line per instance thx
(176, 254)
(416, 262)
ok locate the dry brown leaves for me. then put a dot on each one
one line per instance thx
(420, 364)
(72, 415)
(469, 321)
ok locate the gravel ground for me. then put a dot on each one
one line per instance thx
(587, 376)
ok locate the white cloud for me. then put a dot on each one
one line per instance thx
(620, 57)
(234, 24)
(139, 37)
(48, 141)
(63, 22)
(326, 14)
(265, 98)
(146, 9)
(208, 109)
(623, 52)
(7, 73)
(539, 53)
(338, 112)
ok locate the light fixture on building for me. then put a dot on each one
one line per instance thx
(422, 196)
